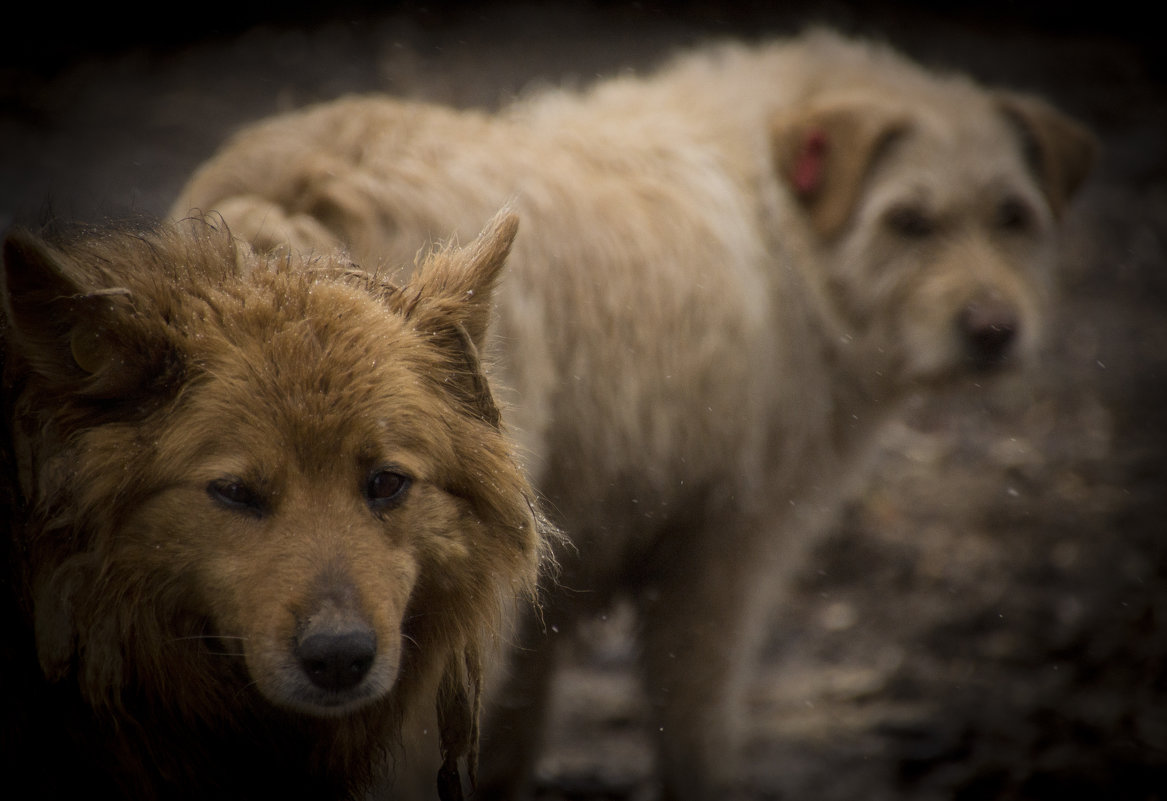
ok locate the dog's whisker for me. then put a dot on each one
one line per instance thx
(209, 637)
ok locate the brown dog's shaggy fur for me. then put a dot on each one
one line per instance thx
(259, 512)
(730, 273)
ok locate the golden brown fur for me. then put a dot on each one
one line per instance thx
(262, 511)
(730, 272)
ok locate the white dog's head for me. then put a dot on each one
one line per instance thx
(931, 211)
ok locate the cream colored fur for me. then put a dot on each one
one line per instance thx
(727, 274)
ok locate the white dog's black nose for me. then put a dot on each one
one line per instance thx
(989, 327)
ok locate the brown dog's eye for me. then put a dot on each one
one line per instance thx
(1013, 214)
(386, 488)
(910, 221)
(235, 495)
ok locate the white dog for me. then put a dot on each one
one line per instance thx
(727, 274)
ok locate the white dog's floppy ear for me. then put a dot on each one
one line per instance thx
(1060, 151)
(822, 154)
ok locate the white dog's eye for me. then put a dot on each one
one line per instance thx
(387, 488)
(1013, 214)
(910, 221)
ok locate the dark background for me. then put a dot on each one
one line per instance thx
(987, 619)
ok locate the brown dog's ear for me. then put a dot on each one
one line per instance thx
(822, 154)
(450, 298)
(457, 283)
(1060, 151)
(65, 328)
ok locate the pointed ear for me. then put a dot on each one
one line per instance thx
(450, 297)
(823, 153)
(1060, 151)
(458, 283)
(65, 326)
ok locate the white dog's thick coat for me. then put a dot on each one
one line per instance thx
(726, 275)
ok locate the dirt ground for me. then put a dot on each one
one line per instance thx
(987, 618)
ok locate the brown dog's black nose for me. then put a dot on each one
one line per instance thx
(337, 660)
(989, 327)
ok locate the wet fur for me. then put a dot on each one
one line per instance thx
(153, 623)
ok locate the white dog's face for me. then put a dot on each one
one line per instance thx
(951, 242)
(934, 224)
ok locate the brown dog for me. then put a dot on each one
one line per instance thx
(259, 513)
(730, 273)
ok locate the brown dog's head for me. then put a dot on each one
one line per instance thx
(252, 482)
(930, 204)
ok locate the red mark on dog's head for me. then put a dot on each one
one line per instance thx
(808, 167)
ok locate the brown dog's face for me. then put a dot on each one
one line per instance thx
(934, 220)
(306, 484)
(258, 476)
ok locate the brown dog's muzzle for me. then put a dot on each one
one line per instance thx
(336, 655)
(336, 650)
